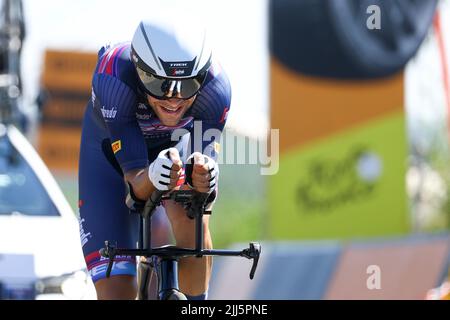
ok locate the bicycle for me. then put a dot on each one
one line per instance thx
(164, 260)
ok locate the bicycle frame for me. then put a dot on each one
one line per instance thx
(165, 259)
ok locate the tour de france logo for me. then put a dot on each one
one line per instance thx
(331, 183)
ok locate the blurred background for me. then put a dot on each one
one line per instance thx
(360, 93)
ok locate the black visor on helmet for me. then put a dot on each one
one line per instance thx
(166, 88)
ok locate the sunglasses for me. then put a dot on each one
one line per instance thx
(166, 88)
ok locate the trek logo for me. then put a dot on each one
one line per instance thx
(116, 146)
(178, 65)
(178, 72)
(108, 113)
(178, 68)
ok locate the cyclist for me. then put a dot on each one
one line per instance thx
(165, 79)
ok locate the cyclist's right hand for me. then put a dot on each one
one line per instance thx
(165, 171)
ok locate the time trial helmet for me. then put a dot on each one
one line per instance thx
(171, 59)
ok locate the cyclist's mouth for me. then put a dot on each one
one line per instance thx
(173, 111)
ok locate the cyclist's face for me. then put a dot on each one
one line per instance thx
(170, 111)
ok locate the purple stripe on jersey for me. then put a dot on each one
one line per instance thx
(106, 60)
(111, 60)
(117, 57)
(156, 124)
(102, 63)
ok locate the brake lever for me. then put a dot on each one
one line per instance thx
(253, 252)
(108, 252)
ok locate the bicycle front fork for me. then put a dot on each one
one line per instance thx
(167, 277)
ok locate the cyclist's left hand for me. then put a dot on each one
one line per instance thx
(205, 173)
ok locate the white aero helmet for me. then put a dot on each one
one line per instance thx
(171, 59)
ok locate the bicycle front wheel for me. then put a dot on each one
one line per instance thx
(173, 295)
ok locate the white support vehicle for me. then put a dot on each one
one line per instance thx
(40, 251)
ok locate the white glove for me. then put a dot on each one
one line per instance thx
(214, 171)
(213, 167)
(159, 170)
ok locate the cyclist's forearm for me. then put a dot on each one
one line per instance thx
(142, 186)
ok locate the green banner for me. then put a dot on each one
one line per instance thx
(351, 184)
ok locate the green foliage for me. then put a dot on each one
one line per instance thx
(239, 212)
(431, 149)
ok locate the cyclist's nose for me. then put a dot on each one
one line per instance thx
(174, 102)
